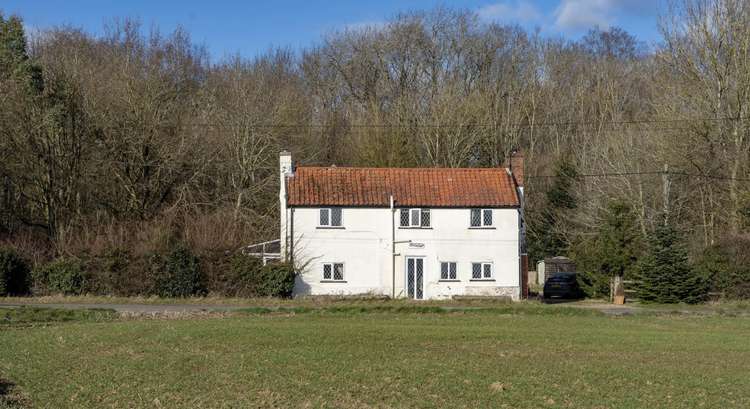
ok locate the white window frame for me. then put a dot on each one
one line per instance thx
(455, 272)
(415, 217)
(481, 218)
(329, 211)
(483, 276)
(332, 278)
(412, 223)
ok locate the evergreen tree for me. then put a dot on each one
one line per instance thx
(546, 230)
(14, 60)
(665, 274)
(614, 251)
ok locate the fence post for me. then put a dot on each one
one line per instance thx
(524, 276)
(619, 290)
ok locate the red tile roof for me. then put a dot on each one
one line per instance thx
(429, 187)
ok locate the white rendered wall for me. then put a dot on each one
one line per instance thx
(364, 246)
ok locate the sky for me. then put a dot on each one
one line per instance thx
(228, 27)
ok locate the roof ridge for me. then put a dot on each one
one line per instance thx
(499, 168)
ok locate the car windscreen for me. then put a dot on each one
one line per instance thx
(567, 278)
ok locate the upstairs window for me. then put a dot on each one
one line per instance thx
(481, 271)
(448, 271)
(330, 217)
(333, 271)
(415, 218)
(481, 218)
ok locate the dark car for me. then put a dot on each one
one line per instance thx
(562, 285)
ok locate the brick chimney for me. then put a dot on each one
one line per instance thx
(285, 171)
(516, 166)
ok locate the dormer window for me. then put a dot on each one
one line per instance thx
(481, 218)
(330, 217)
(416, 218)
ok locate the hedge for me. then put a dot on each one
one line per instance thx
(14, 274)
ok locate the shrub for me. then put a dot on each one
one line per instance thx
(217, 269)
(178, 274)
(726, 266)
(276, 280)
(245, 274)
(250, 278)
(63, 276)
(14, 274)
(117, 272)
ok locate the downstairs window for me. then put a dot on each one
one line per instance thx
(448, 270)
(333, 271)
(481, 271)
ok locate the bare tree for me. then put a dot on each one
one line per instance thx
(706, 66)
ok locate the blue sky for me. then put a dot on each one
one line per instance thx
(252, 27)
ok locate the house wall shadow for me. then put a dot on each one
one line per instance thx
(301, 288)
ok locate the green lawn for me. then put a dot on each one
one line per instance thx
(384, 359)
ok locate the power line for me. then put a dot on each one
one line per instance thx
(625, 174)
(453, 125)
(211, 164)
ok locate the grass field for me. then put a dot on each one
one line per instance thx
(352, 358)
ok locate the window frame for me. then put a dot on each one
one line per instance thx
(332, 278)
(482, 218)
(420, 212)
(482, 275)
(329, 218)
(455, 271)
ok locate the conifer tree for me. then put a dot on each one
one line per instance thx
(546, 233)
(613, 251)
(14, 60)
(665, 273)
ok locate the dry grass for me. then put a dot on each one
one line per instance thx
(139, 237)
(206, 232)
(33, 245)
(223, 231)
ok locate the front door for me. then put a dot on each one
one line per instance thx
(415, 278)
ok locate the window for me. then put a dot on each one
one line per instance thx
(425, 218)
(448, 271)
(333, 271)
(415, 218)
(481, 271)
(336, 217)
(481, 218)
(404, 218)
(330, 217)
(486, 217)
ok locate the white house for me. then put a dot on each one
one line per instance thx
(421, 233)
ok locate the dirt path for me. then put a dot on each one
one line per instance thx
(610, 309)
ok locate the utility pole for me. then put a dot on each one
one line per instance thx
(666, 185)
